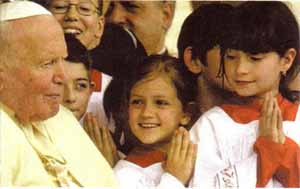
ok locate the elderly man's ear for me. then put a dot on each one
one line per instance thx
(193, 65)
(168, 9)
(1, 78)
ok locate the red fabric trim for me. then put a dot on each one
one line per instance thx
(279, 160)
(247, 113)
(145, 158)
(96, 77)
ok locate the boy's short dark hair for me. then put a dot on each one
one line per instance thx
(203, 29)
(77, 53)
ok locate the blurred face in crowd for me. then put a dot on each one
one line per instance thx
(77, 89)
(33, 79)
(81, 18)
(149, 20)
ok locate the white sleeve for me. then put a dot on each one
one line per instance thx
(168, 180)
(130, 177)
(208, 161)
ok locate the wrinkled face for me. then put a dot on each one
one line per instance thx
(144, 18)
(154, 114)
(253, 74)
(87, 28)
(33, 79)
(77, 88)
(210, 72)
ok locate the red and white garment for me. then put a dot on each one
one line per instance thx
(231, 154)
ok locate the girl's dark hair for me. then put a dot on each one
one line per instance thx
(261, 27)
(116, 98)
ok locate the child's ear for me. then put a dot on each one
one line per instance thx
(193, 65)
(191, 111)
(185, 119)
(1, 78)
(168, 14)
(288, 59)
(92, 86)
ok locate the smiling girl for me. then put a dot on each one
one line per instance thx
(157, 107)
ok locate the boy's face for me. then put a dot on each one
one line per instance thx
(210, 72)
(154, 115)
(87, 28)
(77, 88)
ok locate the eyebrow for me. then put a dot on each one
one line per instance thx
(156, 96)
(82, 79)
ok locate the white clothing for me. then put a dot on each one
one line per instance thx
(132, 176)
(20, 152)
(95, 105)
(225, 150)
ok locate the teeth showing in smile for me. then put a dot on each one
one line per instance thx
(148, 125)
(72, 31)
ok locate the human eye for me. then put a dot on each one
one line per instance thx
(136, 102)
(162, 102)
(130, 6)
(256, 57)
(80, 86)
(59, 6)
(48, 64)
(85, 7)
(230, 56)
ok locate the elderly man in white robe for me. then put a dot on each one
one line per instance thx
(42, 143)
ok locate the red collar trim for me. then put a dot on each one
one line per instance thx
(145, 158)
(247, 113)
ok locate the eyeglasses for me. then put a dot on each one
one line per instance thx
(83, 8)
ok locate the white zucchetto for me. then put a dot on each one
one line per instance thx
(20, 9)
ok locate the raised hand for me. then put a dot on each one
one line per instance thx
(270, 122)
(102, 138)
(181, 156)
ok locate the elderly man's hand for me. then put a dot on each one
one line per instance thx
(102, 138)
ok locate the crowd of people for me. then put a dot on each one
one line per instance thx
(90, 96)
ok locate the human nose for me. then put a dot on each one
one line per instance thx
(59, 73)
(243, 66)
(72, 14)
(148, 110)
(118, 14)
(69, 95)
